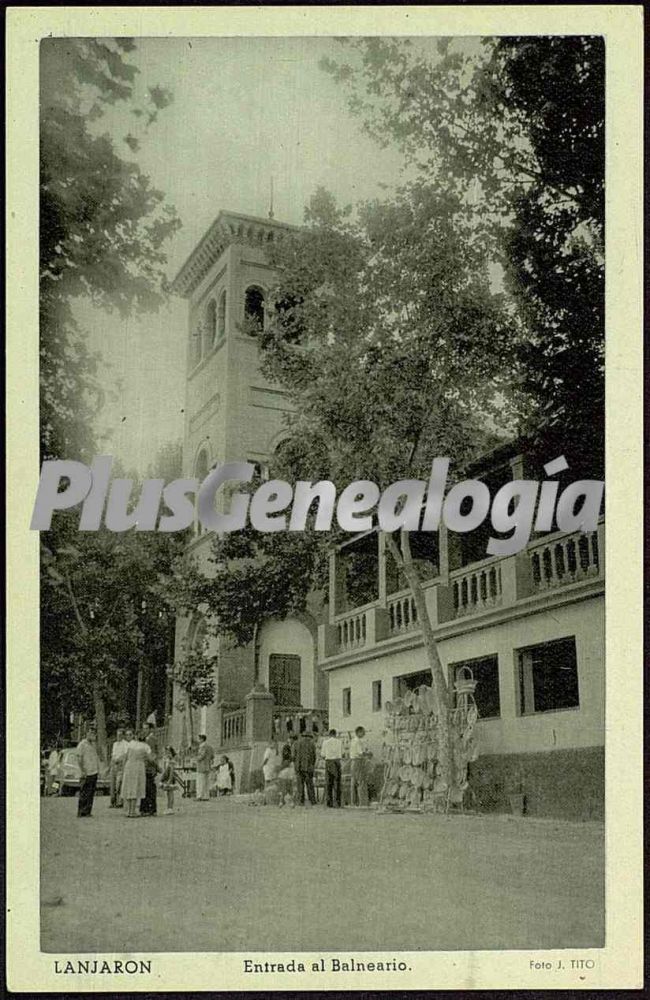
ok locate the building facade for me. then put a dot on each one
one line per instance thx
(530, 628)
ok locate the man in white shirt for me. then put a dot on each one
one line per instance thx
(118, 757)
(359, 757)
(331, 752)
(88, 768)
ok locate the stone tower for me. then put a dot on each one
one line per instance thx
(233, 413)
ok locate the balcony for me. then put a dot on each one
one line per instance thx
(552, 569)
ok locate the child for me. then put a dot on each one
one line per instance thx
(168, 778)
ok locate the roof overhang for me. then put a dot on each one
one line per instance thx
(227, 228)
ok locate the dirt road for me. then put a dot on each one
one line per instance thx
(225, 876)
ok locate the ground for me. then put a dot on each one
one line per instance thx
(226, 876)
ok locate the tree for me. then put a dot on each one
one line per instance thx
(103, 618)
(194, 673)
(102, 233)
(514, 127)
(102, 225)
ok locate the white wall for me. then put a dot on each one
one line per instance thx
(289, 637)
(511, 733)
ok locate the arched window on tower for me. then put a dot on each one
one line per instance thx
(210, 326)
(221, 316)
(254, 307)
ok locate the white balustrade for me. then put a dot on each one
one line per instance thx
(565, 560)
(402, 614)
(476, 589)
(351, 630)
(233, 727)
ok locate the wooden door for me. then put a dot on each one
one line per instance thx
(284, 679)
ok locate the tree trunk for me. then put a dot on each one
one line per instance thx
(100, 720)
(138, 701)
(404, 561)
(191, 720)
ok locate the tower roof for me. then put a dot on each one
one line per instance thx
(228, 227)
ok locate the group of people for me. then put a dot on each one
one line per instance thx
(135, 762)
(292, 769)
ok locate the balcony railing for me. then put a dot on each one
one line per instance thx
(564, 559)
(352, 630)
(476, 588)
(233, 727)
(402, 614)
(547, 565)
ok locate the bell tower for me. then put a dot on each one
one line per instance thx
(231, 411)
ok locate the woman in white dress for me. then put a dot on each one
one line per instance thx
(224, 777)
(134, 778)
(270, 763)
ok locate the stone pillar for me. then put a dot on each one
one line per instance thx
(381, 561)
(337, 588)
(260, 705)
(443, 553)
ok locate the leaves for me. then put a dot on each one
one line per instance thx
(103, 227)
(512, 129)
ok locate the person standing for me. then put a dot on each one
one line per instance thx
(224, 777)
(118, 756)
(51, 770)
(231, 768)
(168, 778)
(332, 752)
(270, 763)
(204, 758)
(359, 758)
(88, 770)
(148, 805)
(134, 779)
(304, 760)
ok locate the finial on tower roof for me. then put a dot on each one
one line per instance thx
(271, 202)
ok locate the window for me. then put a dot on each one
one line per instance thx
(254, 306)
(221, 317)
(201, 466)
(284, 679)
(347, 701)
(485, 671)
(411, 682)
(210, 326)
(376, 696)
(548, 677)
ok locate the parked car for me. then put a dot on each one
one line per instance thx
(67, 776)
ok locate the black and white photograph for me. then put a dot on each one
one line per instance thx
(319, 503)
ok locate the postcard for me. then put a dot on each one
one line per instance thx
(324, 381)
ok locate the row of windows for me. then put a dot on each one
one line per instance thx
(210, 330)
(547, 681)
